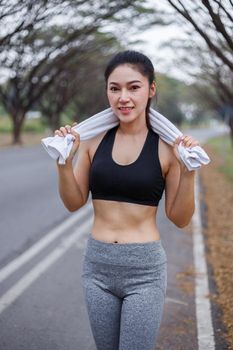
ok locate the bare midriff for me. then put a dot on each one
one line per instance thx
(123, 222)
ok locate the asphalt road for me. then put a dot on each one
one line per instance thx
(41, 246)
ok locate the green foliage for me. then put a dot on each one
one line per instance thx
(34, 125)
(170, 95)
(5, 124)
(2, 111)
(67, 119)
(30, 125)
(222, 146)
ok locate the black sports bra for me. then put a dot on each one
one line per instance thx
(140, 182)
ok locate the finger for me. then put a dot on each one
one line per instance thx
(75, 134)
(58, 132)
(186, 138)
(75, 147)
(77, 138)
(189, 141)
(194, 143)
(68, 128)
(177, 140)
(63, 130)
(75, 123)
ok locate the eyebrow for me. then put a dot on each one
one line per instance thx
(130, 82)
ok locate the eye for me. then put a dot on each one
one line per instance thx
(113, 89)
(135, 87)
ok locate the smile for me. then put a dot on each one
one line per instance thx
(125, 108)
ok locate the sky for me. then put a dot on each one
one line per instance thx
(162, 57)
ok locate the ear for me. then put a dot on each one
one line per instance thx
(152, 89)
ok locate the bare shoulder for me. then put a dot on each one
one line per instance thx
(92, 144)
(83, 163)
(166, 156)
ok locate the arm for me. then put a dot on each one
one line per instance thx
(74, 181)
(179, 195)
(179, 189)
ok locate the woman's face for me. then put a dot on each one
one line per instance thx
(128, 92)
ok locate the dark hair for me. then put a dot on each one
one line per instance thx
(142, 63)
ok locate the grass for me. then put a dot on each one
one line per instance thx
(223, 147)
(32, 132)
(38, 125)
(30, 125)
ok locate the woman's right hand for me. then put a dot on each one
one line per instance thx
(63, 131)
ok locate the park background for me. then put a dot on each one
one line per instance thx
(53, 54)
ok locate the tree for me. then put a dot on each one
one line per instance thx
(208, 55)
(170, 98)
(27, 15)
(213, 21)
(37, 48)
(78, 90)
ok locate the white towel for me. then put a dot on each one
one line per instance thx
(59, 147)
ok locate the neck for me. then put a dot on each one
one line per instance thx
(137, 126)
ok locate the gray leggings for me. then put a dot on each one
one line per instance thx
(124, 288)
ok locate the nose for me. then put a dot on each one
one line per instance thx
(124, 96)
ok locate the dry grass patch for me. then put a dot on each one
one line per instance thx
(219, 235)
(186, 280)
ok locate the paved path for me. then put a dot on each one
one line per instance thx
(41, 246)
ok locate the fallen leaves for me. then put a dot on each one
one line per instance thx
(219, 235)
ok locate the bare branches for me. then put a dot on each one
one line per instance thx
(39, 39)
(216, 19)
(199, 23)
(224, 9)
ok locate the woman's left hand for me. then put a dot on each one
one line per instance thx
(187, 141)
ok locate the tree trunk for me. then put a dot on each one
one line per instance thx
(231, 129)
(17, 120)
(54, 121)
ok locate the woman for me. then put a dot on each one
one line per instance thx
(127, 169)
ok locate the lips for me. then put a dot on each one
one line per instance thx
(125, 108)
